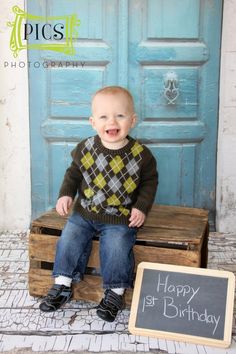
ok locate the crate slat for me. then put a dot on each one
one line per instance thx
(166, 255)
(43, 248)
(90, 289)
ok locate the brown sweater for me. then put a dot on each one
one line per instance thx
(110, 183)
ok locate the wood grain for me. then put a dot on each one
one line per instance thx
(171, 235)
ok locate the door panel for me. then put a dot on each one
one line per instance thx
(172, 19)
(139, 44)
(180, 39)
(156, 106)
(60, 93)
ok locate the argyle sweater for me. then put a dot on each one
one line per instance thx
(109, 183)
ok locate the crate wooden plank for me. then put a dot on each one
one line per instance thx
(90, 289)
(184, 218)
(154, 235)
(171, 236)
(166, 255)
(43, 248)
(176, 210)
(50, 219)
(169, 222)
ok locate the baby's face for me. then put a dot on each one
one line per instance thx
(113, 117)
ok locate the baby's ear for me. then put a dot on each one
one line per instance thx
(134, 120)
(91, 121)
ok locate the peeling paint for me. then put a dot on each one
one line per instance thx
(24, 329)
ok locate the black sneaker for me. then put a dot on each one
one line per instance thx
(110, 305)
(57, 296)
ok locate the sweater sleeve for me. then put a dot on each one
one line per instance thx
(148, 183)
(73, 176)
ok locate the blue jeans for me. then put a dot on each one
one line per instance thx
(116, 251)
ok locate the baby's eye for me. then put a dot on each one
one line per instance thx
(103, 117)
(120, 116)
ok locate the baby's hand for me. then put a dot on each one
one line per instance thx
(137, 218)
(63, 205)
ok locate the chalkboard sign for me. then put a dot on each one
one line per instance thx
(183, 303)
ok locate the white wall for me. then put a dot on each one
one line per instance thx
(15, 187)
(226, 166)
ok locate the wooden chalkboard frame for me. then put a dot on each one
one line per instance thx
(183, 337)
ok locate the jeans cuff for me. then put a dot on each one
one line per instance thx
(118, 285)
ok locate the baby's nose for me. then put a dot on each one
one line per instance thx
(112, 119)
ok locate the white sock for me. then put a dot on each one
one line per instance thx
(118, 291)
(61, 280)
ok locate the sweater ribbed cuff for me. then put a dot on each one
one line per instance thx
(142, 207)
(66, 193)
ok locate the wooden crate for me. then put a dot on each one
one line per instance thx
(171, 235)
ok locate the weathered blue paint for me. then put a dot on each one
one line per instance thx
(181, 37)
(133, 43)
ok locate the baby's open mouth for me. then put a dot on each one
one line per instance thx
(112, 131)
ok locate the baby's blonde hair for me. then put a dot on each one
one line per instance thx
(114, 90)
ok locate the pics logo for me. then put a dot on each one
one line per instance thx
(45, 33)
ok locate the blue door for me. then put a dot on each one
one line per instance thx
(166, 52)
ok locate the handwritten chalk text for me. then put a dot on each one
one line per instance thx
(164, 286)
